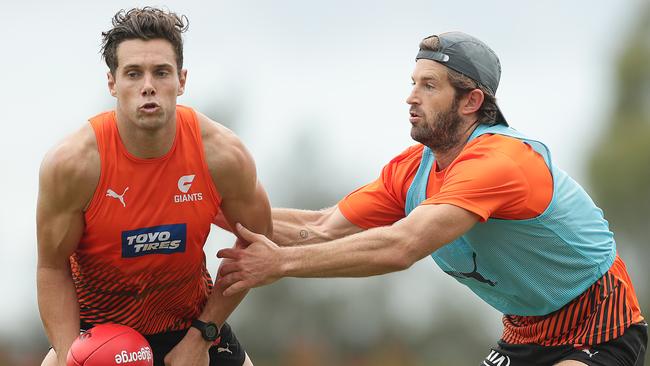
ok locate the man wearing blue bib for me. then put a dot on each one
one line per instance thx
(491, 208)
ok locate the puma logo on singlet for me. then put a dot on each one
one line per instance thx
(474, 274)
(587, 351)
(227, 349)
(111, 193)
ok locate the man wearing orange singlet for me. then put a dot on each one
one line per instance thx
(126, 203)
(491, 208)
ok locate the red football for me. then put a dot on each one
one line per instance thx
(110, 344)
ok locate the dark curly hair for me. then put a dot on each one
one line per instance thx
(145, 23)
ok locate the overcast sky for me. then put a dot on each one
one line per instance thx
(338, 71)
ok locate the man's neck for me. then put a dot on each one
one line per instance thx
(147, 143)
(445, 158)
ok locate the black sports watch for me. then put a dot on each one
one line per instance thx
(209, 331)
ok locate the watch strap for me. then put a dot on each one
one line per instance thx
(206, 329)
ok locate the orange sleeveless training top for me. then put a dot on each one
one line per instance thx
(140, 261)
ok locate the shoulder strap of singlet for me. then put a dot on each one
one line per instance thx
(417, 191)
(418, 188)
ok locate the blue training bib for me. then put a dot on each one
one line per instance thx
(527, 267)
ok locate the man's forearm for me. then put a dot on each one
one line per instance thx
(372, 252)
(59, 308)
(298, 227)
(219, 307)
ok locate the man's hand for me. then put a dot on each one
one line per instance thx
(192, 350)
(258, 264)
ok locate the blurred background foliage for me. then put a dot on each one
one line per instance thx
(620, 165)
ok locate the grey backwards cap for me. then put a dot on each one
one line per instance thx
(470, 57)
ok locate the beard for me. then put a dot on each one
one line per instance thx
(440, 132)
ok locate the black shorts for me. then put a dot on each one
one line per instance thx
(626, 350)
(228, 352)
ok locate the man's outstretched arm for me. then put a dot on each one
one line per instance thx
(372, 252)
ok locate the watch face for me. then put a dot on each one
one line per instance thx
(211, 331)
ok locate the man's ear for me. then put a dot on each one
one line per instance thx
(111, 83)
(472, 102)
(182, 78)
